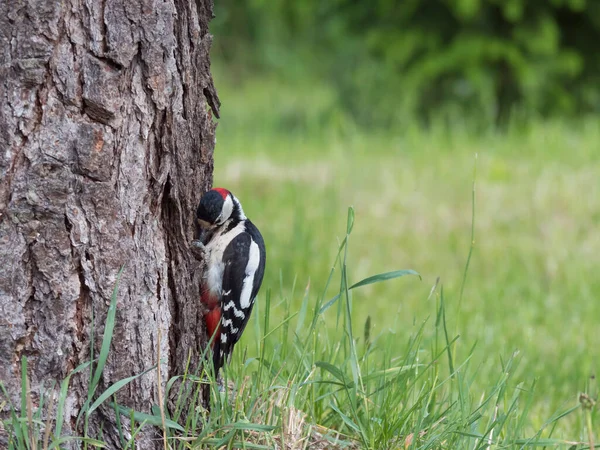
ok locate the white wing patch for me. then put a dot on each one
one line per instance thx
(253, 260)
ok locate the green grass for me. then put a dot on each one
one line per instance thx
(532, 285)
(330, 362)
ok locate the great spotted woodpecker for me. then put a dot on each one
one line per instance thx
(234, 253)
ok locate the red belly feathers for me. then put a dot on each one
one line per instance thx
(213, 316)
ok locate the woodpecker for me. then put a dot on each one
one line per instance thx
(234, 254)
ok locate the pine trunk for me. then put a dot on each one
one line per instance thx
(106, 144)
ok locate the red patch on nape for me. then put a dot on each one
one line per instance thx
(223, 192)
(212, 319)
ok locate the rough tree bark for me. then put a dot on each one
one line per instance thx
(106, 143)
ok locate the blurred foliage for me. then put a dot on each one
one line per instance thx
(388, 61)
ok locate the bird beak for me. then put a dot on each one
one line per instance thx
(203, 231)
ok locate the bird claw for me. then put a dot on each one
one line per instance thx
(198, 249)
(226, 391)
(220, 384)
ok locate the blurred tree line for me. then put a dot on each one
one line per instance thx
(391, 59)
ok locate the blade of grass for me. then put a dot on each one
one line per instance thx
(370, 280)
(113, 389)
(159, 389)
(108, 333)
(154, 420)
(64, 387)
(47, 427)
(24, 394)
(471, 247)
(65, 439)
(104, 350)
(383, 277)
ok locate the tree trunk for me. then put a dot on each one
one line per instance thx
(106, 145)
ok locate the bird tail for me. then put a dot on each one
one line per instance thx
(218, 357)
(221, 354)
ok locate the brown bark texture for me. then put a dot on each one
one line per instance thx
(106, 143)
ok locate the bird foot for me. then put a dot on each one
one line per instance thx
(198, 249)
(220, 384)
(226, 391)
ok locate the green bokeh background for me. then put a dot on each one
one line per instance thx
(388, 62)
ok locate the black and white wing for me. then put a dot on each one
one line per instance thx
(244, 260)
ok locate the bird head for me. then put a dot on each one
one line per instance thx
(216, 207)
